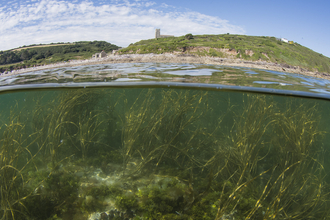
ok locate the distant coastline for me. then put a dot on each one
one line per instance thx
(174, 58)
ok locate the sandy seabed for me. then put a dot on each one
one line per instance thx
(175, 58)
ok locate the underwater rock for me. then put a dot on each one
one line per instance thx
(104, 216)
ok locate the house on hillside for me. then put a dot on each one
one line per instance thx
(283, 40)
(157, 34)
(100, 55)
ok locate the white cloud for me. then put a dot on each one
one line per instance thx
(164, 5)
(148, 4)
(121, 22)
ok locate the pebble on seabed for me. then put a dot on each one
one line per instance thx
(112, 214)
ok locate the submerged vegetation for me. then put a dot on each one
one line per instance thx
(162, 154)
(252, 48)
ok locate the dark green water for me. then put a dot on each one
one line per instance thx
(163, 153)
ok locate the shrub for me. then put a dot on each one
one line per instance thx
(189, 36)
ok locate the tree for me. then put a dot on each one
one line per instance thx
(25, 55)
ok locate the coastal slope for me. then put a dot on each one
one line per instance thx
(233, 50)
(39, 55)
(241, 47)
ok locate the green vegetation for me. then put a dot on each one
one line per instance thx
(39, 55)
(162, 154)
(250, 48)
(189, 36)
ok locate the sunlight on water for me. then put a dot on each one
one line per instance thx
(162, 72)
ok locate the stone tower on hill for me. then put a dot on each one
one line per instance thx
(157, 35)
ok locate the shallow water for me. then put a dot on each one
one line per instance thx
(163, 152)
(187, 73)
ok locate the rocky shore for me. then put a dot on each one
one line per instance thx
(175, 58)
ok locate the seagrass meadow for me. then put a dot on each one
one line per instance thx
(162, 153)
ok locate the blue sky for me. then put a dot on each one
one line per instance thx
(126, 21)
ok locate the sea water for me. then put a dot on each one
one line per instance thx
(165, 148)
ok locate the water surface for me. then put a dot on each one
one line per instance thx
(160, 72)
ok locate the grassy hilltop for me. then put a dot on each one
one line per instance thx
(250, 48)
(35, 55)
